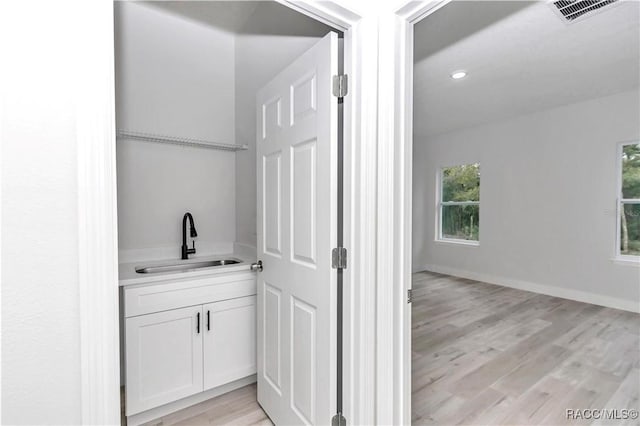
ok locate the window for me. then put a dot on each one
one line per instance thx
(459, 206)
(629, 206)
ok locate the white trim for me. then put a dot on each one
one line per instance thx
(470, 243)
(327, 12)
(97, 195)
(404, 133)
(395, 143)
(618, 192)
(627, 260)
(97, 216)
(2, 106)
(393, 398)
(415, 11)
(549, 290)
(388, 186)
(359, 223)
(459, 203)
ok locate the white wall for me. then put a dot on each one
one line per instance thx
(182, 77)
(547, 201)
(263, 47)
(40, 311)
(174, 76)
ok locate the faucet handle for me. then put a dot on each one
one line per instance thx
(191, 250)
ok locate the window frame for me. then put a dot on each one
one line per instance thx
(439, 238)
(620, 202)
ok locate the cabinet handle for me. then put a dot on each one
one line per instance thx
(198, 323)
(208, 320)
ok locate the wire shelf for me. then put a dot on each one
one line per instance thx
(148, 137)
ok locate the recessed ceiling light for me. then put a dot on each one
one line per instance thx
(457, 75)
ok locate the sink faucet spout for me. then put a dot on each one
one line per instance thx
(186, 251)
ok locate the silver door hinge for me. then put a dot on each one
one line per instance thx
(339, 258)
(340, 85)
(338, 420)
(409, 296)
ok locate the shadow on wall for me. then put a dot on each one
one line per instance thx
(459, 20)
(247, 17)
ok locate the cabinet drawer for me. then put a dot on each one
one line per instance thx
(163, 296)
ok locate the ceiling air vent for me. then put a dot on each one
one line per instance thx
(574, 10)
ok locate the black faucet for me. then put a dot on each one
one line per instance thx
(186, 251)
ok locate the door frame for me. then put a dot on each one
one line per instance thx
(97, 211)
(396, 189)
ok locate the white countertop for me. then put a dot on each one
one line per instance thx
(128, 275)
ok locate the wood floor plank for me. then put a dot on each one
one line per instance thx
(486, 355)
(627, 395)
(447, 374)
(543, 401)
(239, 407)
(531, 371)
(474, 407)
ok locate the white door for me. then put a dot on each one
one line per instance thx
(296, 152)
(163, 357)
(229, 340)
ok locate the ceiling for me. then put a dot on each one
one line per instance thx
(262, 17)
(226, 15)
(520, 58)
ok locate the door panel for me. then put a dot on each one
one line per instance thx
(270, 353)
(229, 330)
(303, 368)
(303, 97)
(271, 117)
(303, 203)
(164, 358)
(272, 183)
(297, 228)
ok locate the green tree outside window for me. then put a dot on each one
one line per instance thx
(460, 203)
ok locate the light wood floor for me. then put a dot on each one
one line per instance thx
(489, 355)
(238, 408)
(484, 354)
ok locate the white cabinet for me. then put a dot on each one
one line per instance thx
(164, 358)
(181, 350)
(229, 341)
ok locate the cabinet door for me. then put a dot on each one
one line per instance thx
(229, 340)
(164, 357)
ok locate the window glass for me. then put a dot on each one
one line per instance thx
(459, 207)
(631, 171)
(630, 230)
(461, 222)
(461, 183)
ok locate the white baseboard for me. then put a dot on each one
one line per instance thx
(156, 413)
(564, 293)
